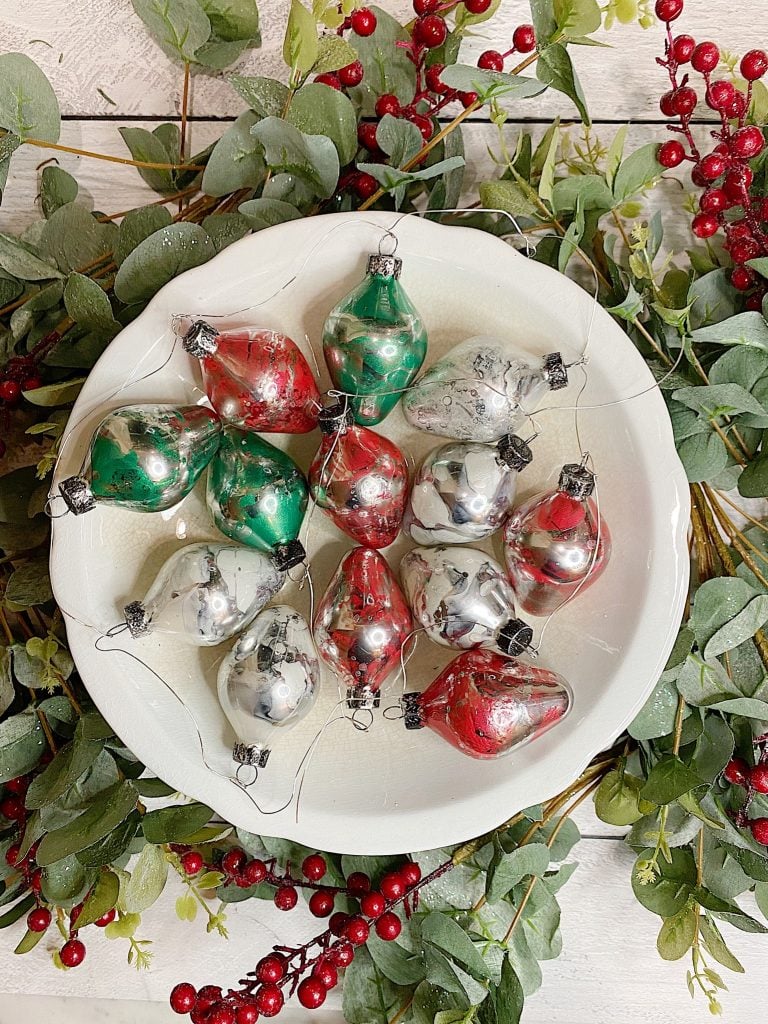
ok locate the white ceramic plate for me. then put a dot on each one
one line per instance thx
(385, 790)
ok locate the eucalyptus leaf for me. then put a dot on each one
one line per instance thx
(265, 213)
(398, 138)
(617, 798)
(179, 27)
(748, 329)
(64, 881)
(448, 937)
(161, 257)
(236, 160)
(22, 743)
(318, 109)
(657, 716)
(265, 96)
(508, 869)
(669, 779)
(637, 173)
(491, 84)
(112, 846)
(88, 305)
(28, 104)
(715, 944)
(333, 52)
(711, 300)
(138, 225)
(510, 196)
(666, 893)
(555, 68)
(100, 900)
(368, 996)
(313, 158)
(225, 228)
(175, 824)
(73, 237)
(148, 147)
(15, 259)
(110, 807)
(57, 188)
(65, 769)
(30, 584)
(147, 881)
(677, 934)
(300, 47)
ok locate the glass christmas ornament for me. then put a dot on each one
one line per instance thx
(205, 593)
(268, 682)
(257, 495)
(552, 545)
(144, 457)
(255, 378)
(462, 598)
(486, 705)
(481, 390)
(464, 490)
(361, 624)
(374, 341)
(359, 478)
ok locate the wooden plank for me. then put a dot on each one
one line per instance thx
(102, 45)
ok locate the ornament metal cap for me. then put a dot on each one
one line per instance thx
(77, 494)
(245, 753)
(514, 451)
(576, 481)
(515, 637)
(200, 340)
(333, 419)
(555, 371)
(136, 619)
(361, 698)
(384, 265)
(413, 716)
(285, 556)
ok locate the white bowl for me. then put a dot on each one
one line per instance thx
(384, 790)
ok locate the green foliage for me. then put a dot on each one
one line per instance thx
(212, 33)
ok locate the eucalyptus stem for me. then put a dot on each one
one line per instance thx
(149, 164)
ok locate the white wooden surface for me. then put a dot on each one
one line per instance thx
(609, 970)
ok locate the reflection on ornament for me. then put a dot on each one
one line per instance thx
(486, 705)
(551, 546)
(205, 593)
(145, 458)
(257, 495)
(481, 390)
(268, 681)
(374, 341)
(361, 624)
(255, 378)
(464, 490)
(359, 478)
(461, 597)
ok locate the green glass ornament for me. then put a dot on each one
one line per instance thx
(258, 496)
(374, 342)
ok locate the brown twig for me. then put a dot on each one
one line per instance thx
(149, 164)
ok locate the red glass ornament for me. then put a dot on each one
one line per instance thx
(256, 378)
(361, 624)
(552, 545)
(359, 478)
(485, 704)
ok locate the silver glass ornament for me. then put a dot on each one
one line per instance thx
(481, 390)
(462, 598)
(268, 681)
(464, 490)
(205, 593)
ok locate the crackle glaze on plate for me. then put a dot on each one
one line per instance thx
(385, 790)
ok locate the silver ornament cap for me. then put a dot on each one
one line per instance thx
(555, 371)
(200, 340)
(515, 637)
(136, 619)
(250, 753)
(514, 451)
(384, 265)
(77, 494)
(285, 556)
(576, 481)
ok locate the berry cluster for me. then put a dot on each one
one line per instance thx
(754, 779)
(724, 174)
(310, 970)
(523, 41)
(22, 373)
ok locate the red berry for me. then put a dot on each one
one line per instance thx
(36, 881)
(373, 904)
(19, 785)
(321, 903)
(207, 997)
(12, 807)
(38, 919)
(671, 153)
(31, 384)
(748, 142)
(286, 897)
(754, 65)
(12, 853)
(421, 7)
(74, 913)
(327, 973)
(737, 182)
(192, 862)
(665, 104)
(706, 57)
(477, 6)
(314, 867)
(199, 1016)
(714, 200)
(432, 78)
(351, 74)
(183, 997)
(682, 48)
(388, 103)
(468, 98)
(342, 954)
(221, 1015)
(357, 931)
(720, 95)
(754, 302)
(255, 871)
(738, 106)
(491, 60)
(669, 10)
(758, 776)
(364, 185)
(763, 210)
(312, 993)
(389, 926)
(430, 31)
(246, 1013)
(524, 38)
(366, 136)
(410, 873)
(338, 923)
(358, 884)
(72, 953)
(105, 919)
(743, 249)
(684, 101)
(759, 828)
(10, 392)
(424, 125)
(705, 225)
(328, 78)
(742, 278)
(233, 861)
(363, 22)
(393, 885)
(712, 166)
(269, 1000)
(270, 969)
